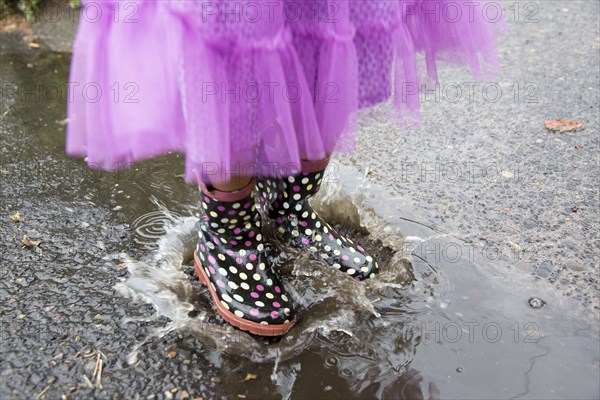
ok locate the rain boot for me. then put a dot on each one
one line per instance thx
(230, 260)
(286, 200)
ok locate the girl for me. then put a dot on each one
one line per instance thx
(257, 94)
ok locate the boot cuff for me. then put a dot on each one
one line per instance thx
(227, 196)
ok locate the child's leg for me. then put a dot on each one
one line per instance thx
(233, 184)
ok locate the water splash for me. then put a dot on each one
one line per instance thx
(328, 302)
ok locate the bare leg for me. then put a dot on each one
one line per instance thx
(233, 184)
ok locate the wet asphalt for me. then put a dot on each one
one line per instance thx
(481, 167)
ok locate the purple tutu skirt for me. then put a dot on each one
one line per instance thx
(252, 87)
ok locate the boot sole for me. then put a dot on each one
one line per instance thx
(241, 323)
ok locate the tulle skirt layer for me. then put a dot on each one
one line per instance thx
(250, 87)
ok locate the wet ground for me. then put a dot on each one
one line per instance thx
(485, 222)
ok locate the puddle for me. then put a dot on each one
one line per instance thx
(445, 317)
(330, 304)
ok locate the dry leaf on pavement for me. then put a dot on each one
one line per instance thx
(16, 217)
(563, 125)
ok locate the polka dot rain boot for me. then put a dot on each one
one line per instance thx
(230, 260)
(286, 200)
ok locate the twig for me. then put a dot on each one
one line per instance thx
(96, 367)
(99, 376)
(44, 391)
(87, 380)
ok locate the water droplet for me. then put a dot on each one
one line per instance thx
(330, 361)
(346, 372)
(536, 302)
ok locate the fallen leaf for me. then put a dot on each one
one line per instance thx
(16, 217)
(30, 243)
(249, 376)
(563, 125)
